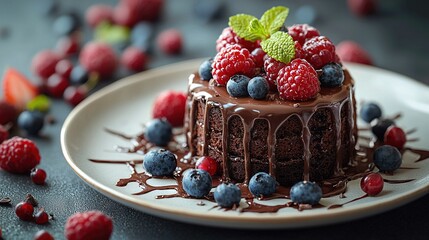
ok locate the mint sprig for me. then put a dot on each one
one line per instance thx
(278, 45)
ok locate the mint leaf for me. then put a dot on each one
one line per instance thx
(240, 24)
(274, 18)
(256, 31)
(279, 46)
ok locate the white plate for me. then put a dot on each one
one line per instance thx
(125, 105)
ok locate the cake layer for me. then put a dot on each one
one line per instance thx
(293, 141)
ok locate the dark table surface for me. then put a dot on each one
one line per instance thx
(396, 36)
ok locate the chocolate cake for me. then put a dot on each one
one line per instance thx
(293, 141)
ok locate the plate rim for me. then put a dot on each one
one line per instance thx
(262, 221)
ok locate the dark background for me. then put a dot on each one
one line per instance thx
(396, 37)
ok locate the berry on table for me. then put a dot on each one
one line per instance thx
(395, 136)
(372, 184)
(98, 13)
(302, 32)
(306, 192)
(64, 68)
(160, 162)
(362, 7)
(158, 132)
(170, 105)
(74, 95)
(17, 89)
(4, 134)
(298, 81)
(229, 37)
(147, 10)
(231, 60)
(258, 88)
(38, 176)
(31, 122)
(79, 75)
(208, 164)
(68, 45)
(56, 85)
(332, 75)
(141, 35)
(88, 225)
(379, 127)
(227, 195)
(125, 15)
(170, 41)
(237, 86)
(19, 155)
(24, 210)
(8, 113)
(41, 217)
(349, 51)
(44, 62)
(272, 68)
(205, 70)
(134, 59)
(66, 24)
(98, 57)
(196, 182)
(43, 235)
(262, 184)
(319, 51)
(370, 111)
(387, 158)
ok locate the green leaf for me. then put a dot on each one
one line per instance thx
(240, 24)
(256, 31)
(274, 18)
(111, 34)
(279, 46)
(40, 103)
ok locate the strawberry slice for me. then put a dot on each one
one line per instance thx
(17, 89)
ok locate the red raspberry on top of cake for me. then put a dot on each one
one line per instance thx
(228, 37)
(319, 51)
(302, 32)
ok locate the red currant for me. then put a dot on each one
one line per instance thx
(41, 217)
(372, 184)
(395, 136)
(74, 95)
(24, 211)
(170, 41)
(56, 85)
(64, 68)
(68, 45)
(38, 176)
(43, 63)
(134, 59)
(43, 235)
(208, 164)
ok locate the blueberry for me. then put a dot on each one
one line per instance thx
(380, 126)
(370, 111)
(141, 35)
(205, 70)
(66, 24)
(332, 75)
(78, 75)
(227, 195)
(387, 158)
(237, 86)
(208, 10)
(31, 122)
(262, 184)
(196, 182)
(158, 132)
(160, 162)
(258, 88)
(305, 192)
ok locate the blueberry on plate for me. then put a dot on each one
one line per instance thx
(158, 132)
(380, 126)
(160, 162)
(370, 111)
(196, 182)
(205, 70)
(237, 86)
(31, 122)
(387, 158)
(258, 88)
(305, 192)
(332, 75)
(262, 184)
(227, 195)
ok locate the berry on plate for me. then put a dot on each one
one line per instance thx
(19, 155)
(379, 127)
(227, 195)
(158, 132)
(98, 57)
(298, 81)
(237, 86)
(372, 184)
(196, 182)
(18, 90)
(387, 158)
(395, 136)
(170, 105)
(160, 162)
(208, 164)
(370, 111)
(305, 192)
(88, 225)
(262, 185)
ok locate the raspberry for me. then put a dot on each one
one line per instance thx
(298, 81)
(98, 57)
(171, 106)
(231, 60)
(4, 134)
(350, 51)
(148, 10)
(362, 7)
(18, 155)
(8, 113)
(272, 68)
(68, 45)
(126, 15)
(134, 59)
(88, 225)
(299, 52)
(98, 13)
(43, 63)
(319, 51)
(228, 37)
(302, 32)
(259, 56)
(170, 41)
